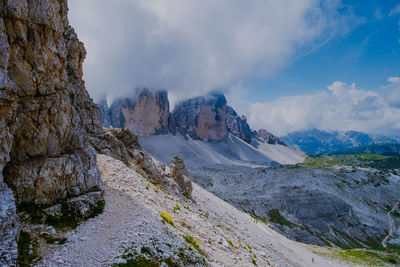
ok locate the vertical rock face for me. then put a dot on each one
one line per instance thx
(46, 114)
(105, 113)
(202, 117)
(238, 125)
(205, 117)
(144, 114)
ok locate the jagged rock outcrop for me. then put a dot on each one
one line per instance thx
(180, 174)
(202, 117)
(46, 113)
(146, 113)
(268, 137)
(205, 117)
(238, 125)
(105, 112)
(123, 145)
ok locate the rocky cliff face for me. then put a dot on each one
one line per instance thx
(238, 125)
(46, 113)
(105, 112)
(146, 113)
(202, 117)
(205, 117)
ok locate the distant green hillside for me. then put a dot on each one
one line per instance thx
(382, 149)
(360, 160)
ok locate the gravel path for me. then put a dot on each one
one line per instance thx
(228, 236)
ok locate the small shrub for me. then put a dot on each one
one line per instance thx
(26, 249)
(177, 207)
(99, 209)
(166, 218)
(52, 240)
(62, 222)
(194, 242)
(230, 242)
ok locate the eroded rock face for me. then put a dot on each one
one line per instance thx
(202, 117)
(123, 145)
(180, 174)
(105, 112)
(238, 125)
(146, 113)
(268, 137)
(46, 113)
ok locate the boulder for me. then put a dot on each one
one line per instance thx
(180, 174)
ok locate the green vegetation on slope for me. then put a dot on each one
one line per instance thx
(367, 257)
(360, 160)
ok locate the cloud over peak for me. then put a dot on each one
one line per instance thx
(191, 47)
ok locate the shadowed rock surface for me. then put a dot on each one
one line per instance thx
(105, 112)
(146, 113)
(46, 114)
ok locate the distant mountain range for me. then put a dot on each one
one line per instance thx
(318, 142)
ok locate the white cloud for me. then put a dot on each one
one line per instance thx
(395, 10)
(393, 92)
(192, 46)
(378, 14)
(341, 107)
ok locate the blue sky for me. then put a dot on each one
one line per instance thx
(367, 55)
(287, 65)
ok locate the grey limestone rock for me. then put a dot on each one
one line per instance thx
(145, 113)
(202, 117)
(46, 115)
(181, 175)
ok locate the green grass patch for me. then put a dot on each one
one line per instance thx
(27, 247)
(53, 240)
(366, 257)
(194, 242)
(62, 222)
(258, 218)
(276, 217)
(99, 209)
(361, 160)
(176, 208)
(140, 261)
(166, 218)
(369, 257)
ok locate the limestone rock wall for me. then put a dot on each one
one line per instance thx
(46, 115)
(202, 117)
(146, 113)
(238, 125)
(205, 117)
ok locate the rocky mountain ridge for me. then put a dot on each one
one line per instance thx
(207, 117)
(319, 142)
